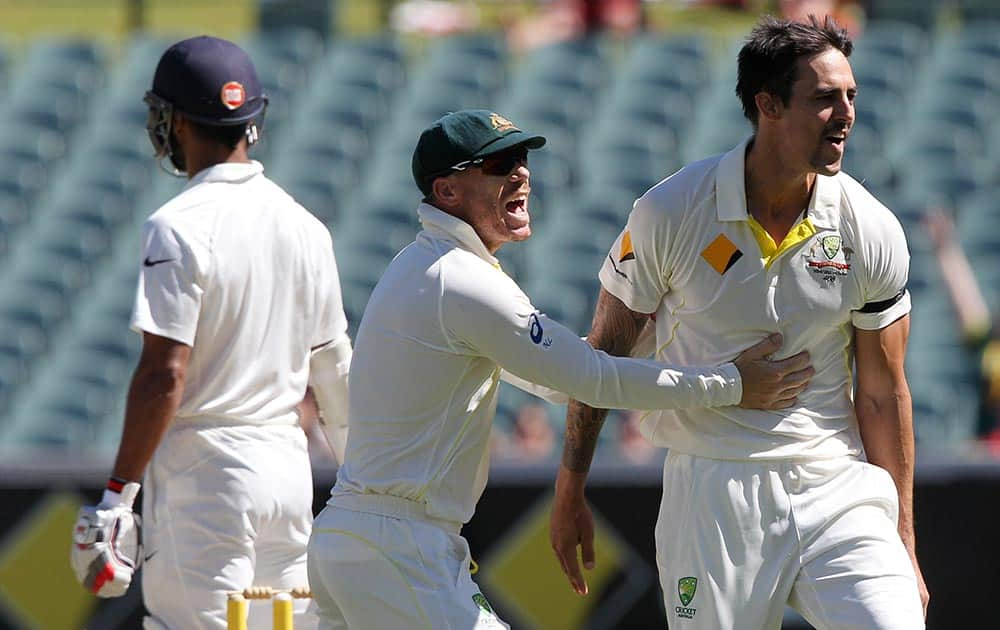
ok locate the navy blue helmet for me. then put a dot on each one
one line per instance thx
(210, 81)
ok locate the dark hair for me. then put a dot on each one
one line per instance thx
(229, 135)
(767, 60)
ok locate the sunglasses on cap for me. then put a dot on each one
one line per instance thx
(501, 163)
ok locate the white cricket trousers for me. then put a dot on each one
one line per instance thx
(390, 569)
(737, 540)
(225, 508)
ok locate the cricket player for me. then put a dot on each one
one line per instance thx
(809, 505)
(239, 307)
(440, 326)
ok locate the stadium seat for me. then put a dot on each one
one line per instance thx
(577, 62)
(979, 10)
(939, 181)
(488, 48)
(967, 109)
(478, 60)
(37, 306)
(921, 14)
(886, 38)
(681, 60)
(980, 36)
(42, 145)
(21, 343)
(671, 110)
(944, 417)
(371, 62)
(958, 69)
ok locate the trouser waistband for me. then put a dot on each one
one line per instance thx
(392, 506)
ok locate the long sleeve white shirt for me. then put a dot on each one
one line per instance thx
(439, 326)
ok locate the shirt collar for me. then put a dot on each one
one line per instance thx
(443, 225)
(231, 172)
(731, 192)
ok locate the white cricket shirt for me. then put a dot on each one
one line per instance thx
(718, 284)
(438, 327)
(236, 269)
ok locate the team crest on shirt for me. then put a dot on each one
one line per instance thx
(686, 589)
(828, 259)
(831, 245)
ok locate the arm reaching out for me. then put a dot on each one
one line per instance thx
(766, 385)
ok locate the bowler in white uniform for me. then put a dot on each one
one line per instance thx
(440, 328)
(240, 309)
(809, 505)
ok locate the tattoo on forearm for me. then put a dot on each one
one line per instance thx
(615, 330)
(583, 424)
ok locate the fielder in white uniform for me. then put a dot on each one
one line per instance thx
(764, 508)
(239, 306)
(439, 328)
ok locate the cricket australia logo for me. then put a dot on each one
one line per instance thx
(831, 245)
(829, 260)
(481, 602)
(686, 588)
(488, 619)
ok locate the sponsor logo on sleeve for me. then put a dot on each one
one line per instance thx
(537, 333)
(149, 262)
(721, 254)
(625, 252)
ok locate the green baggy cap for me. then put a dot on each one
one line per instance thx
(461, 136)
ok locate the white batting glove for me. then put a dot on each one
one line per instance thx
(107, 542)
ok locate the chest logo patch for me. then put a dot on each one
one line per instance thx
(721, 254)
(831, 245)
(829, 260)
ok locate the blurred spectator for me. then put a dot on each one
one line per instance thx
(847, 14)
(434, 17)
(560, 20)
(533, 437)
(981, 335)
(631, 446)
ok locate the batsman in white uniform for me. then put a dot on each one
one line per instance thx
(440, 327)
(239, 306)
(809, 505)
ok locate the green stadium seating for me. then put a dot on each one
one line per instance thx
(973, 11)
(886, 39)
(923, 14)
(979, 36)
(76, 179)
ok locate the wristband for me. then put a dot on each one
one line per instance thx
(120, 492)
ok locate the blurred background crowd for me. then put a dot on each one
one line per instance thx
(627, 91)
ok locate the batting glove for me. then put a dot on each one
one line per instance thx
(107, 542)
